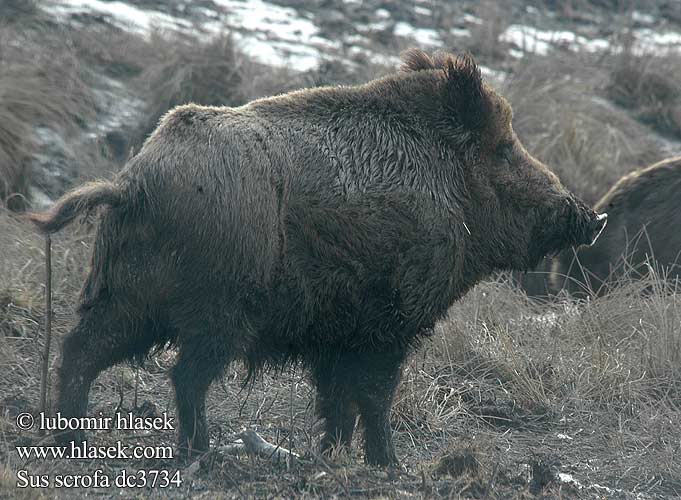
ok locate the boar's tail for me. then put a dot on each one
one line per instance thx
(83, 199)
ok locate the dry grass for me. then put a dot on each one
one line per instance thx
(117, 53)
(559, 116)
(13, 11)
(184, 69)
(484, 39)
(648, 85)
(38, 87)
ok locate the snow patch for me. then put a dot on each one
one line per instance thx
(649, 41)
(121, 14)
(423, 11)
(529, 39)
(642, 18)
(422, 36)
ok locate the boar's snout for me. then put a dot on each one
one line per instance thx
(587, 225)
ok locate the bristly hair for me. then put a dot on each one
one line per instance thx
(464, 96)
(416, 60)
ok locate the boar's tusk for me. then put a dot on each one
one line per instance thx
(599, 218)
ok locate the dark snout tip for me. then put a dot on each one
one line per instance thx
(597, 226)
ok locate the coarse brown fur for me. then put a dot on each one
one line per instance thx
(644, 215)
(333, 226)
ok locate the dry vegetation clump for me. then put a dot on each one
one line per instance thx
(650, 87)
(585, 140)
(40, 85)
(185, 69)
(112, 50)
(484, 40)
(22, 270)
(17, 10)
(606, 371)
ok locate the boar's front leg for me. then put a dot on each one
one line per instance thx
(376, 378)
(202, 358)
(364, 383)
(335, 404)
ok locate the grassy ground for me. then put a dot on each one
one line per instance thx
(505, 396)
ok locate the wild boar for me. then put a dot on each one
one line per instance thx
(644, 218)
(328, 226)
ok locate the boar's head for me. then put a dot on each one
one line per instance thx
(517, 211)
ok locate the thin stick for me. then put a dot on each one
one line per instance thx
(48, 324)
(137, 385)
(289, 462)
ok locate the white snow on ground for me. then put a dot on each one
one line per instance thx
(272, 34)
(642, 18)
(529, 39)
(648, 41)
(282, 36)
(471, 19)
(566, 478)
(121, 14)
(271, 20)
(495, 77)
(420, 35)
(526, 39)
(423, 11)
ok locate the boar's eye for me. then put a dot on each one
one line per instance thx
(505, 152)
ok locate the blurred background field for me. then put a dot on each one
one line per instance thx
(511, 397)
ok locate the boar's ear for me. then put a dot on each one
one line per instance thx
(465, 95)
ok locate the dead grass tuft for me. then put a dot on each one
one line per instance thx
(12, 11)
(649, 86)
(586, 141)
(484, 40)
(38, 87)
(185, 69)
(458, 461)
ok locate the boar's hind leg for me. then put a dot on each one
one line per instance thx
(202, 358)
(103, 336)
(335, 405)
